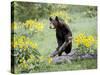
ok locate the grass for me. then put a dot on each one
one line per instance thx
(76, 65)
(84, 64)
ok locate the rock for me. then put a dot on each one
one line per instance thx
(73, 55)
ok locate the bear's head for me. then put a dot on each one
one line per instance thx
(54, 23)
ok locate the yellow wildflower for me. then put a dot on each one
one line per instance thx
(34, 25)
(34, 45)
(49, 60)
(85, 40)
(91, 38)
(23, 42)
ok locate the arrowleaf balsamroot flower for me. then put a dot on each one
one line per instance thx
(87, 41)
(23, 42)
(33, 25)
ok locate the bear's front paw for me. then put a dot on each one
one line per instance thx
(54, 54)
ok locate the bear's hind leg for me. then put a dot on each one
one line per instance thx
(68, 48)
(60, 53)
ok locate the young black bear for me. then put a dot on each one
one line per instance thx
(63, 35)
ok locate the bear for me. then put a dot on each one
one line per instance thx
(63, 36)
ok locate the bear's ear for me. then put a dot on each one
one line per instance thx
(56, 18)
(50, 19)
